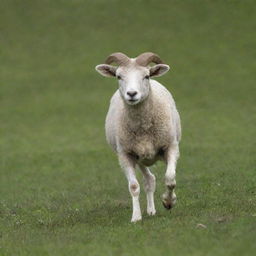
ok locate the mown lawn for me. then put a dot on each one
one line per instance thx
(61, 189)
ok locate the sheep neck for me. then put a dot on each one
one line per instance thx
(140, 115)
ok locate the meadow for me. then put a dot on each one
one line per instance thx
(62, 191)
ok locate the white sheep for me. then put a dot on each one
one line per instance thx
(142, 125)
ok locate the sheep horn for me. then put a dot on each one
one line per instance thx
(147, 57)
(118, 58)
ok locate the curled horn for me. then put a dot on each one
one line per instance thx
(118, 58)
(147, 57)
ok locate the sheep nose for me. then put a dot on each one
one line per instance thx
(131, 93)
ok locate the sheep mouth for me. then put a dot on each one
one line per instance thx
(133, 101)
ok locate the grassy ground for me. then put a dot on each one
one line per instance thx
(61, 189)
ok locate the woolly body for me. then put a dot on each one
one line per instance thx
(146, 130)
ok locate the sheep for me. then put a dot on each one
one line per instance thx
(142, 125)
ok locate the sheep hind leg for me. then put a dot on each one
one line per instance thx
(149, 187)
(169, 197)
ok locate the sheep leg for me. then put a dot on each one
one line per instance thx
(149, 186)
(128, 165)
(169, 197)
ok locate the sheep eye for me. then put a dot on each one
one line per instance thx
(118, 77)
(146, 77)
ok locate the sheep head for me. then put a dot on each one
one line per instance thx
(133, 74)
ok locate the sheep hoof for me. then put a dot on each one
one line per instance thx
(169, 203)
(151, 212)
(134, 220)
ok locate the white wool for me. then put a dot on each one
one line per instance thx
(143, 129)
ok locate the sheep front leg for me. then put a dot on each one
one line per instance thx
(128, 166)
(149, 186)
(169, 197)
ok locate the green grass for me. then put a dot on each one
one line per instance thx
(61, 189)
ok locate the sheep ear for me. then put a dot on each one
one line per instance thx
(106, 70)
(159, 70)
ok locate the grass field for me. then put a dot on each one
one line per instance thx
(61, 189)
